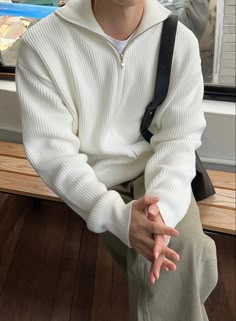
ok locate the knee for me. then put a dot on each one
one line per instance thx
(205, 249)
(208, 269)
(208, 247)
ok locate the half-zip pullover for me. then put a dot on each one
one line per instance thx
(81, 113)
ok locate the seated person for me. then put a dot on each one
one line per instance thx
(82, 100)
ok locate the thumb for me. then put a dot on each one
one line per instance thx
(145, 201)
(153, 210)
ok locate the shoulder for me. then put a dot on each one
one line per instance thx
(186, 56)
(35, 44)
(185, 39)
(42, 43)
(42, 31)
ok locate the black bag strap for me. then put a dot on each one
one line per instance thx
(201, 185)
(163, 73)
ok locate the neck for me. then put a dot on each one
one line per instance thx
(118, 19)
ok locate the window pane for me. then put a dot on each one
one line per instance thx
(213, 23)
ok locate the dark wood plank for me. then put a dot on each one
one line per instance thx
(31, 280)
(48, 272)
(101, 308)
(17, 299)
(221, 303)
(68, 267)
(10, 211)
(12, 214)
(120, 304)
(3, 199)
(83, 296)
(56, 270)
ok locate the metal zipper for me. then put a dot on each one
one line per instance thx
(122, 60)
(121, 56)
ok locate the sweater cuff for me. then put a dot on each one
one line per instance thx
(111, 214)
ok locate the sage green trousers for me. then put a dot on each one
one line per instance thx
(176, 296)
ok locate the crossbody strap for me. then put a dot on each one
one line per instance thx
(163, 73)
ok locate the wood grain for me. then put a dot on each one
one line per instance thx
(26, 185)
(101, 308)
(218, 219)
(17, 299)
(68, 267)
(220, 305)
(12, 149)
(12, 216)
(48, 270)
(223, 198)
(16, 165)
(3, 198)
(57, 270)
(223, 179)
(86, 270)
(119, 306)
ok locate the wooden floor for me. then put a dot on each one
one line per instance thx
(53, 269)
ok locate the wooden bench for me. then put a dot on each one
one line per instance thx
(18, 177)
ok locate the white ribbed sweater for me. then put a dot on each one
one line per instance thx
(82, 103)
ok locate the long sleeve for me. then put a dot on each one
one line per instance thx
(53, 149)
(178, 127)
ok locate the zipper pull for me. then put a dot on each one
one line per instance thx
(122, 60)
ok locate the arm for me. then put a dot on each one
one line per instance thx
(53, 149)
(178, 126)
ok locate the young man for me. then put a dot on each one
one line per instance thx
(84, 77)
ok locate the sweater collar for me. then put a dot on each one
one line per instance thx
(79, 12)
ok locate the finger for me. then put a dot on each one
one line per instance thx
(156, 267)
(153, 210)
(152, 278)
(145, 201)
(171, 254)
(168, 265)
(145, 248)
(159, 244)
(161, 229)
(151, 274)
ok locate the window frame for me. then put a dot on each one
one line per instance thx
(220, 93)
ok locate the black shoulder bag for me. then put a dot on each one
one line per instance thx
(201, 184)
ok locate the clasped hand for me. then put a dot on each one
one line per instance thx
(148, 235)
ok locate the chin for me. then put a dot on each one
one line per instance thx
(128, 3)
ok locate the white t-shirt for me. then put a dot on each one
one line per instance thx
(119, 44)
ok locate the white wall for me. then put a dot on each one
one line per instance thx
(218, 140)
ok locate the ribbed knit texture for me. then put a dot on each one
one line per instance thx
(81, 113)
